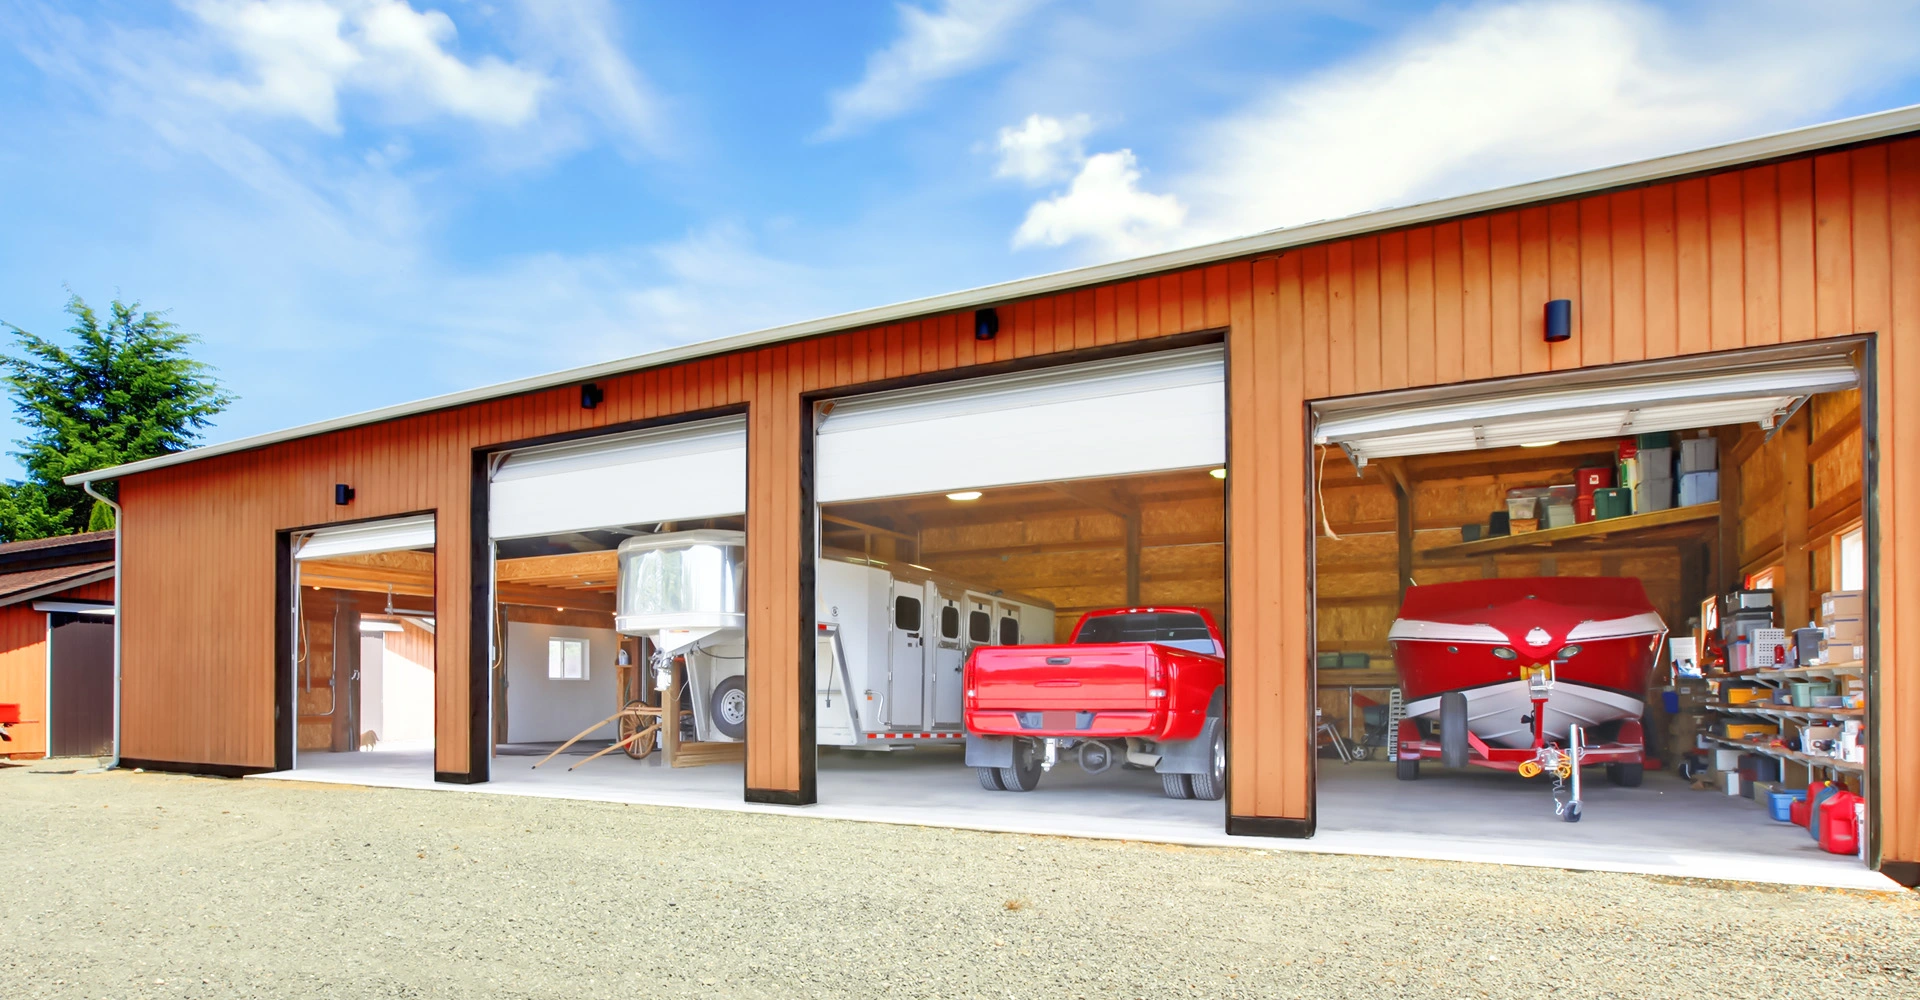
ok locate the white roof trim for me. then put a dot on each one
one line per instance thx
(1797, 141)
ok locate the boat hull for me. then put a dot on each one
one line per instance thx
(1598, 638)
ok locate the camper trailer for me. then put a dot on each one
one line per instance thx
(891, 637)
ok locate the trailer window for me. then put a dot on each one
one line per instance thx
(1182, 631)
(979, 626)
(949, 622)
(1009, 631)
(906, 614)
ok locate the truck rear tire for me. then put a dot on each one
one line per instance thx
(1453, 729)
(990, 779)
(1211, 785)
(1024, 775)
(1176, 786)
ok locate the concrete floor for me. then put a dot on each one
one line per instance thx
(1662, 828)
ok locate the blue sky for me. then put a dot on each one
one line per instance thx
(362, 202)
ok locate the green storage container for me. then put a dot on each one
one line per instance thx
(1657, 439)
(1616, 502)
(1327, 661)
(1354, 661)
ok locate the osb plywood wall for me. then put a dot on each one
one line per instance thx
(1077, 560)
(1796, 493)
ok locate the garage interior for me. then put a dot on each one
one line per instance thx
(1780, 511)
(364, 646)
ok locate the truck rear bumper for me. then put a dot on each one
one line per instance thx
(1092, 724)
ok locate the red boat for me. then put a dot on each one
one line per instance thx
(1522, 662)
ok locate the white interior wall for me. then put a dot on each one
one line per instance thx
(540, 710)
(406, 694)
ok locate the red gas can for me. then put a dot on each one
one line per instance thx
(1838, 833)
(1802, 810)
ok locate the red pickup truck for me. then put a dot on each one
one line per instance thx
(1143, 686)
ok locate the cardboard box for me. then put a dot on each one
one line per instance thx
(1843, 604)
(1699, 455)
(1725, 759)
(1845, 631)
(1840, 652)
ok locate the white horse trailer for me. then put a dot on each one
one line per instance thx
(891, 639)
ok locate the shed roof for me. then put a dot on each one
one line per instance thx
(1848, 131)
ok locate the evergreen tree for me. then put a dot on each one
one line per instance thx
(125, 390)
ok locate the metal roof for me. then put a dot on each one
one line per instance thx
(1847, 131)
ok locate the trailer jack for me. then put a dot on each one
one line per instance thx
(1052, 757)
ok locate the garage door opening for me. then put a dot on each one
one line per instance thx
(1658, 567)
(965, 531)
(363, 645)
(619, 636)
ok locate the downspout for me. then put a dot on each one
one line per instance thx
(87, 485)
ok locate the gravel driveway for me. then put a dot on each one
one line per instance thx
(136, 885)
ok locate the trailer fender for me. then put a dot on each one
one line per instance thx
(1194, 756)
(989, 751)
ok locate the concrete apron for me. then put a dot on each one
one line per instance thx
(1662, 828)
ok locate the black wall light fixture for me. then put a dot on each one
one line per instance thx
(342, 494)
(1559, 320)
(986, 323)
(591, 395)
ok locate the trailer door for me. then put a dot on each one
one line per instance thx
(949, 661)
(906, 659)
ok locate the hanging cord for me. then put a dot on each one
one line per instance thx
(1319, 497)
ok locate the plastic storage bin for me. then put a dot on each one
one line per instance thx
(1780, 805)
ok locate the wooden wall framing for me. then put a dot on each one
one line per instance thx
(1811, 246)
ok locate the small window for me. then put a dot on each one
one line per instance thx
(1763, 580)
(906, 614)
(949, 622)
(566, 659)
(1009, 631)
(1853, 560)
(980, 627)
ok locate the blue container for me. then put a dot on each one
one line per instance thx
(1670, 700)
(1780, 804)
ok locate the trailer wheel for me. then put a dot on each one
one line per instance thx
(1176, 786)
(1024, 775)
(730, 707)
(990, 779)
(1572, 812)
(1407, 768)
(1626, 775)
(1212, 784)
(1453, 729)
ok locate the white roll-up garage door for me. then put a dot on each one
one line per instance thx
(392, 535)
(676, 473)
(1562, 408)
(1130, 415)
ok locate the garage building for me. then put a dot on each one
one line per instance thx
(1224, 427)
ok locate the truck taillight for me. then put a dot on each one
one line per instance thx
(1157, 693)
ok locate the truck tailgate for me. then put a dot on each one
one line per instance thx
(1082, 678)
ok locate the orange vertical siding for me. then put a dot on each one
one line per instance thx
(1809, 247)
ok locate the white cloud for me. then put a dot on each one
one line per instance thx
(1105, 204)
(932, 46)
(302, 54)
(581, 39)
(1498, 94)
(1042, 148)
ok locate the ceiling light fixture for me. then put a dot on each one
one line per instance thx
(1218, 473)
(964, 495)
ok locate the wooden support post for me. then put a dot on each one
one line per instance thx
(1726, 550)
(1396, 473)
(1796, 484)
(1133, 559)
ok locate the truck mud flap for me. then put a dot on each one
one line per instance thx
(989, 751)
(1194, 756)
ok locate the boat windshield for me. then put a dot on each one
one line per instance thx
(1176, 629)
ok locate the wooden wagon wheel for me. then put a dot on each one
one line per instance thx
(631, 724)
